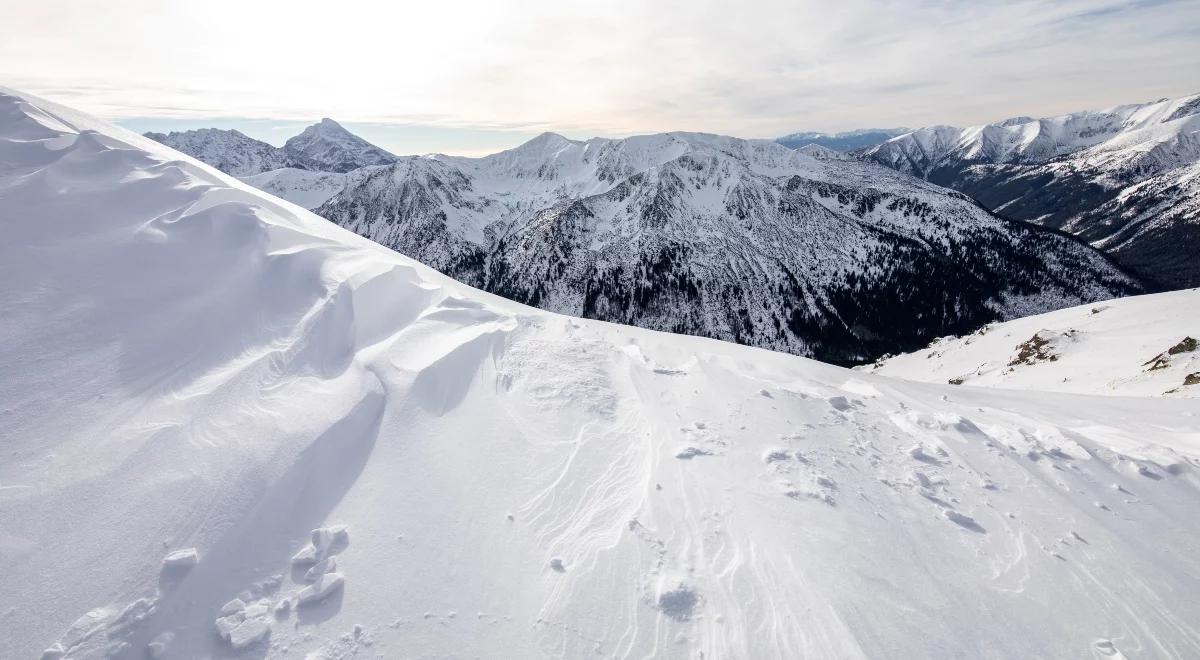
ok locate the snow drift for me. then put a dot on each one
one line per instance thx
(232, 429)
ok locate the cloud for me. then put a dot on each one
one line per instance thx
(755, 68)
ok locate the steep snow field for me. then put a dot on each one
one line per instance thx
(1138, 346)
(195, 376)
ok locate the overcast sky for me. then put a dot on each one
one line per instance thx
(473, 76)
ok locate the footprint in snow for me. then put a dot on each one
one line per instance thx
(963, 520)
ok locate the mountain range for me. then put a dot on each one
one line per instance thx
(806, 251)
(741, 240)
(1126, 179)
(843, 141)
(323, 147)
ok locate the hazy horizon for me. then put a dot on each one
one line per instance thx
(474, 78)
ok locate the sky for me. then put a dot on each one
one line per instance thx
(475, 76)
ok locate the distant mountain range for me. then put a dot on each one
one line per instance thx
(1125, 179)
(323, 147)
(808, 251)
(845, 141)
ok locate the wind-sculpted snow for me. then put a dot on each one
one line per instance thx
(747, 241)
(1121, 178)
(234, 430)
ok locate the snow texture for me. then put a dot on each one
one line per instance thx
(1138, 346)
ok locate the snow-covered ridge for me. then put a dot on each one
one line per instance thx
(843, 141)
(743, 240)
(323, 147)
(1137, 346)
(230, 151)
(1121, 178)
(233, 429)
(1034, 141)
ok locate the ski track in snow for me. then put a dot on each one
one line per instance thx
(199, 383)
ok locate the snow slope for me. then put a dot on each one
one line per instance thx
(195, 376)
(305, 188)
(1138, 346)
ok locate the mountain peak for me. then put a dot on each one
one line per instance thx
(327, 124)
(327, 146)
(547, 139)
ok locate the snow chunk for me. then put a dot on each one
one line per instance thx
(181, 559)
(249, 632)
(325, 541)
(326, 565)
(317, 591)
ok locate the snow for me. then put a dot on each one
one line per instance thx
(328, 147)
(230, 151)
(1105, 349)
(1030, 140)
(186, 361)
(304, 188)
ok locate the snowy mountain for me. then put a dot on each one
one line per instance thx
(741, 240)
(230, 151)
(323, 147)
(1137, 346)
(845, 141)
(234, 430)
(305, 188)
(327, 147)
(1120, 178)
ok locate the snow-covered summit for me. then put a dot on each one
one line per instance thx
(232, 429)
(328, 147)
